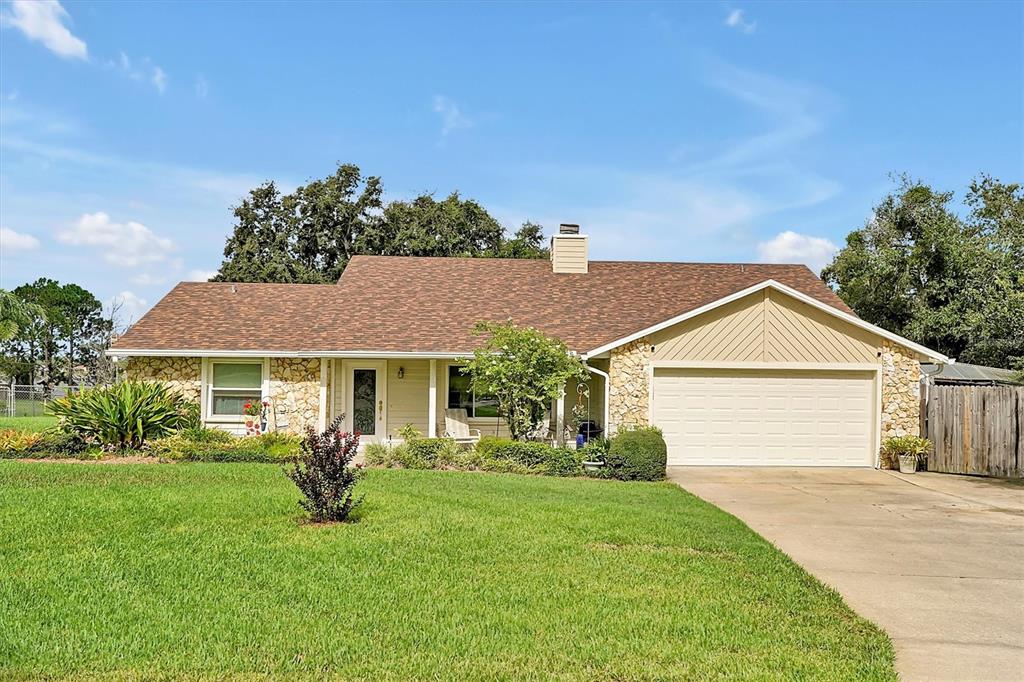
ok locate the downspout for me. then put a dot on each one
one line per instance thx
(607, 394)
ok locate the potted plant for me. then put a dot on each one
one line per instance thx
(907, 450)
(255, 423)
(593, 454)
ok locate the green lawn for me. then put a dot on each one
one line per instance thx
(27, 423)
(121, 570)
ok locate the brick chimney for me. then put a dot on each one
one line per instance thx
(569, 250)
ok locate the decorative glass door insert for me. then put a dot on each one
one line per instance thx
(364, 401)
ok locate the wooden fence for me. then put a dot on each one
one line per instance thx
(975, 429)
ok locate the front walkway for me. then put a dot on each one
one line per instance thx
(935, 560)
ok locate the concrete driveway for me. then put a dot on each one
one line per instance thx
(935, 560)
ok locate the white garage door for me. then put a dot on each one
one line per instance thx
(765, 417)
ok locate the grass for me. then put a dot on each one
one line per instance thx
(27, 423)
(206, 570)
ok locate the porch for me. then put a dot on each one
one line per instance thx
(379, 396)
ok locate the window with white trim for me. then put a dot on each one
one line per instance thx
(232, 385)
(460, 395)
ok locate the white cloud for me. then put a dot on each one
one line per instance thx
(11, 241)
(128, 305)
(43, 21)
(142, 71)
(792, 247)
(201, 275)
(148, 279)
(127, 244)
(202, 87)
(737, 19)
(452, 118)
(159, 79)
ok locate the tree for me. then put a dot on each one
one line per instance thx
(524, 369)
(427, 227)
(16, 315)
(949, 282)
(66, 332)
(311, 234)
(528, 242)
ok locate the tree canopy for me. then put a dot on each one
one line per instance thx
(309, 235)
(57, 334)
(951, 281)
(524, 369)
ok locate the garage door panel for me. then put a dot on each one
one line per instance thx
(765, 417)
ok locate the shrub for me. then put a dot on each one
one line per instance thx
(434, 451)
(893, 447)
(636, 455)
(15, 443)
(409, 432)
(563, 462)
(323, 473)
(214, 445)
(486, 446)
(377, 455)
(49, 443)
(191, 415)
(124, 415)
(505, 454)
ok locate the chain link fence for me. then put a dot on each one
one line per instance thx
(18, 400)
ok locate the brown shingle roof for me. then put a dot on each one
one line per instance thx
(429, 305)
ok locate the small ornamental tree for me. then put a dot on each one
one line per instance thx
(323, 473)
(524, 370)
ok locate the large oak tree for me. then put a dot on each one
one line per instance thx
(953, 281)
(309, 235)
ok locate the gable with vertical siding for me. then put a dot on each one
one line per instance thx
(766, 326)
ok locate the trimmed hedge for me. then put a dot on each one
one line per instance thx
(636, 455)
(214, 445)
(501, 455)
(418, 453)
(505, 454)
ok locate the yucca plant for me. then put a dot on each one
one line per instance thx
(124, 415)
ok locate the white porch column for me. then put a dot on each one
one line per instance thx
(322, 406)
(432, 402)
(560, 418)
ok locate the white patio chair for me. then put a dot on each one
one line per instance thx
(456, 427)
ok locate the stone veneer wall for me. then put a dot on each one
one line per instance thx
(295, 393)
(183, 375)
(901, 392)
(629, 385)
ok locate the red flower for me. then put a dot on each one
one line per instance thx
(248, 405)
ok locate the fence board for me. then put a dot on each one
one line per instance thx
(975, 430)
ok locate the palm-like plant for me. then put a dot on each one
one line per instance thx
(16, 314)
(124, 415)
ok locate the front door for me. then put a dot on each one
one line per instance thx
(366, 402)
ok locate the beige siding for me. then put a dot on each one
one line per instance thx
(798, 332)
(408, 396)
(569, 254)
(732, 332)
(766, 326)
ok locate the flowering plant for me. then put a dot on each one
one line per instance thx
(254, 409)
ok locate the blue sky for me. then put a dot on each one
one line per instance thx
(716, 131)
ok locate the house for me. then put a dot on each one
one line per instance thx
(748, 364)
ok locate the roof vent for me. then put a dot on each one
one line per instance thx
(569, 250)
